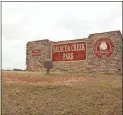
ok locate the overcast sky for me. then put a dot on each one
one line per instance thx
(23, 22)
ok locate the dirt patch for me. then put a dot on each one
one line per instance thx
(66, 80)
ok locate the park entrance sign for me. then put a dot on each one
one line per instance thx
(69, 51)
(99, 52)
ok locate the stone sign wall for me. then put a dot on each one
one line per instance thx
(103, 54)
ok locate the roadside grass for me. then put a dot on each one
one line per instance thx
(100, 96)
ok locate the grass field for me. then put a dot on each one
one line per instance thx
(35, 93)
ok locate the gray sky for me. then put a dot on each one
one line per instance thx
(23, 22)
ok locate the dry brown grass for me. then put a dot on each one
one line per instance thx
(34, 93)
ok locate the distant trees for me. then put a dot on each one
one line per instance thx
(17, 69)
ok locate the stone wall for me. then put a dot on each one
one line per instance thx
(36, 62)
(92, 64)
